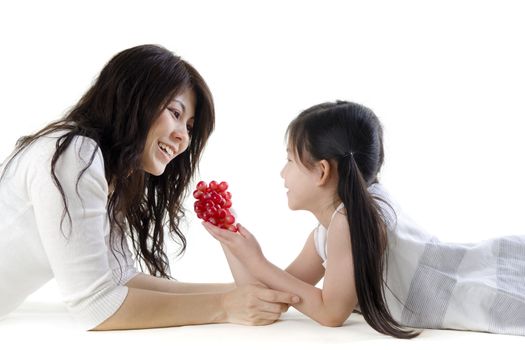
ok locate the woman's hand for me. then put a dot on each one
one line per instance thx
(256, 305)
(241, 244)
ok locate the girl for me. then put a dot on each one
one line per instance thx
(116, 168)
(372, 257)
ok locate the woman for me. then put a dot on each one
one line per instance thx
(116, 169)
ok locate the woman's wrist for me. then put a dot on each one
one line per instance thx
(222, 314)
(223, 307)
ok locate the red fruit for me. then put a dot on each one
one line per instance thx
(213, 211)
(223, 186)
(202, 185)
(212, 204)
(199, 207)
(216, 198)
(229, 219)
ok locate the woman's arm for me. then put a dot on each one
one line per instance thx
(143, 281)
(330, 305)
(77, 253)
(250, 305)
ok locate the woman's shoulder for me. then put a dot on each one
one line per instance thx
(79, 146)
(81, 152)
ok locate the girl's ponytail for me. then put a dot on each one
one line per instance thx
(368, 237)
(350, 136)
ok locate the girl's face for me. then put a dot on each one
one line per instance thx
(300, 182)
(170, 133)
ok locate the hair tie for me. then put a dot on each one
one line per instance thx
(348, 154)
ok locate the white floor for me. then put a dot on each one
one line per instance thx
(46, 324)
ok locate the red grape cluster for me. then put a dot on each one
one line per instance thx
(212, 204)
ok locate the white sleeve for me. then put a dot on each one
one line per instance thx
(121, 260)
(77, 253)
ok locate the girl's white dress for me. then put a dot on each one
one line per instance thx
(433, 284)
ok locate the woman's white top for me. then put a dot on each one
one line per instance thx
(36, 245)
(432, 284)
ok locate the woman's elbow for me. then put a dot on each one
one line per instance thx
(104, 326)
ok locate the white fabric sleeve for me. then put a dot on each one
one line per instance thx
(77, 253)
(121, 260)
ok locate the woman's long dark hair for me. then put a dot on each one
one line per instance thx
(117, 113)
(350, 136)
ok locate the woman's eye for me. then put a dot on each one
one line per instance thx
(174, 113)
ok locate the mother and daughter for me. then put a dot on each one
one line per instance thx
(117, 167)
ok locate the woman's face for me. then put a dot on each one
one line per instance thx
(170, 133)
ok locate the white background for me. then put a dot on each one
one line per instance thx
(445, 77)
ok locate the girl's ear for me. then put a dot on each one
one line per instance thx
(325, 172)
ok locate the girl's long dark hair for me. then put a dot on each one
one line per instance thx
(117, 112)
(350, 136)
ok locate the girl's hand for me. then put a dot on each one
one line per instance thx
(242, 244)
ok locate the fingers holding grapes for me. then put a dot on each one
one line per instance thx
(243, 245)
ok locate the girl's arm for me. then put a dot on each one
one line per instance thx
(308, 266)
(330, 305)
(240, 274)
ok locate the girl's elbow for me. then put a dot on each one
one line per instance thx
(332, 321)
(332, 324)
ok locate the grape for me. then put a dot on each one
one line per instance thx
(212, 203)
(201, 186)
(223, 186)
